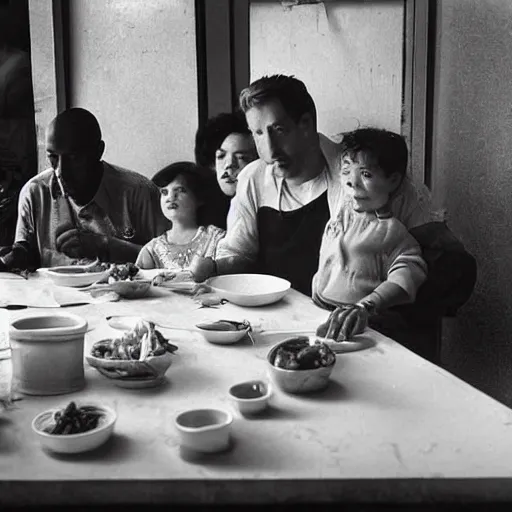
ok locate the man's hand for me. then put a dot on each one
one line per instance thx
(82, 244)
(344, 322)
(202, 268)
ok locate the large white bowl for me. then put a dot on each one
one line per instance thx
(204, 430)
(74, 443)
(74, 276)
(249, 289)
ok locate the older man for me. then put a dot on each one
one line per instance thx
(82, 207)
(285, 199)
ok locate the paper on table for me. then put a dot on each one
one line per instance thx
(38, 293)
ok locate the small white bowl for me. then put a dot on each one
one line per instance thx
(204, 430)
(223, 337)
(73, 276)
(74, 443)
(251, 397)
(249, 289)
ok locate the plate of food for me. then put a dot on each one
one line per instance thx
(123, 279)
(77, 275)
(137, 358)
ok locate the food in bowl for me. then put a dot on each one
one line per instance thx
(69, 440)
(225, 332)
(224, 325)
(122, 272)
(74, 420)
(298, 366)
(140, 343)
(141, 353)
(299, 354)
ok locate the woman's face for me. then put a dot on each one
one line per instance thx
(235, 152)
(178, 202)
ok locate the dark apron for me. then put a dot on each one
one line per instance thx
(289, 242)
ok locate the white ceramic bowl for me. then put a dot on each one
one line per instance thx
(204, 430)
(251, 397)
(74, 443)
(74, 276)
(298, 381)
(118, 369)
(48, 353)
(223, 337)
(249, 289)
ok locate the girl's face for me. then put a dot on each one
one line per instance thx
(234, 154)
(365, 184)
(178, 202)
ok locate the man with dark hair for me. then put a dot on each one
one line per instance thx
(83, 207)
(285, 199)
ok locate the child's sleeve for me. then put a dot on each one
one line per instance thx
(145, 259)
(406, 266)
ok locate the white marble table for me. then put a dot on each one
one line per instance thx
(391, 427)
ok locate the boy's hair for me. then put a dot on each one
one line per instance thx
(387, 150)
(290, 91)
(210, 137)
(198, 179)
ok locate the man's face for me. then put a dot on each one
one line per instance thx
(280, 141)
(72, 163)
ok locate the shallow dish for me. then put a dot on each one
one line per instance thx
(298, 381)
(223, 337)
(204, 430)
(251, 397)
(249, 289)
(140, 382)
(135, 289)
(153, 367)
(73, 276)
(74, 443)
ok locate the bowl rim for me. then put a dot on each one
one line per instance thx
(79, 327)
(287, 285)
(52, 272)
(266, 396)
(245, 331)
(111, 416)
(277, 368)
(206, 428)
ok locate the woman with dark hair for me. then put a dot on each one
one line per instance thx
(225, 145)
(185, 193)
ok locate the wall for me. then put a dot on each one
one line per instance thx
(348, 53)
(472, 177)
(133, 64)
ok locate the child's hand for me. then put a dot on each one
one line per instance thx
(344, 322)
(202, 268)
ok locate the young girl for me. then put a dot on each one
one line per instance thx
(184, 193)
(368, 259)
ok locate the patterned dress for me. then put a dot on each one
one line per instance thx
(165, 254)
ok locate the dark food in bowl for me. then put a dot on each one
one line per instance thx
(224, 325)
(138, 344)
(75, 420)
(298, 354)
(124, 272)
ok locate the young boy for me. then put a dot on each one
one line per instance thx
(368, 259)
